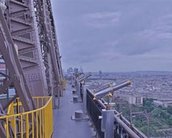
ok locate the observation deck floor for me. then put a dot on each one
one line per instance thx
(64, 126)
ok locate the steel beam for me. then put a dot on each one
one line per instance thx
(2, 129)
(49, 46)
(5, 86)
(9, 54)
(22, 24)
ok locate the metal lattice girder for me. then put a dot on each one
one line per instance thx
(49, 45)
(2, 130)
(32, 30)
(22, 24)
(8, 51)
(5, 86)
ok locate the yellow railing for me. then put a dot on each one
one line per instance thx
(37, 123)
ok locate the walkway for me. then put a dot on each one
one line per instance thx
(64, 126)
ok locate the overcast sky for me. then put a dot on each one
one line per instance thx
(115, 35)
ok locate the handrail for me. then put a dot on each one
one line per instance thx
(35, 123)
(27, 112)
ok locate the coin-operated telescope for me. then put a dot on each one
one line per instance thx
(110, 90)
(83, 77)
(79, 83)
(104, 86)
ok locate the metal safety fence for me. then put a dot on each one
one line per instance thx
(120, 125)
(37, 123)
(94, 110)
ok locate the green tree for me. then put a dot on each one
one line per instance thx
(169, 120)
(169, 109)
(148, 105)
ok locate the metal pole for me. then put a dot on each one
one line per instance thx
(8, 97)
(77, 87)
(107, 124)
(85, 99)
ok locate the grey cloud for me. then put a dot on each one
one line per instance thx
(102, 19)
(110, 35)
(156, 35)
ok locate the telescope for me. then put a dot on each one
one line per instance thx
(104, 86)
(110, 90)
(81, 75)
(84, 77)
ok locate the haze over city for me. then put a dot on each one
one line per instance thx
(115, 35)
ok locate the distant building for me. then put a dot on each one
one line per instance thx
(81, 70)
(70, 71)
(164, 103)
(136, 100)
(100, 74)
(76, 70)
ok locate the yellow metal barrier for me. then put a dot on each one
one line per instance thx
(37, 123)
